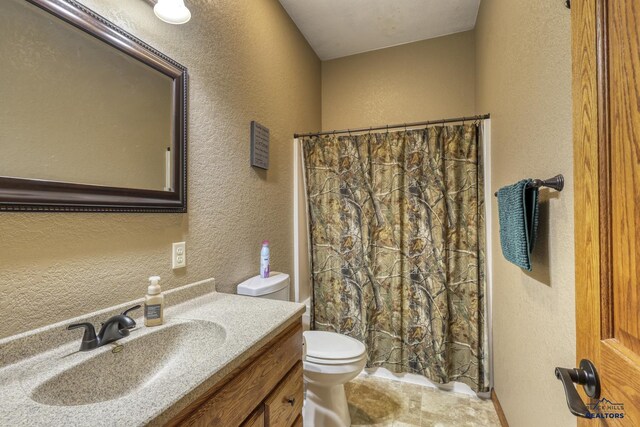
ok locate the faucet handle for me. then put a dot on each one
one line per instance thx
(126, 312)
(130, 323)
(89, 339)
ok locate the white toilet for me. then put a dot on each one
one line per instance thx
(330, 360)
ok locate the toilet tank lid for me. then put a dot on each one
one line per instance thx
(257, 286)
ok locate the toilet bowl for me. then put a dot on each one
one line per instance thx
(329, 360)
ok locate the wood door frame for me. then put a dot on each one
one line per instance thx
(592, 177)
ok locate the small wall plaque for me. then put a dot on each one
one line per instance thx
(259, 146)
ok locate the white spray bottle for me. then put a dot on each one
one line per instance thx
(265, 267)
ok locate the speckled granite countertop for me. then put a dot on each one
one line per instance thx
(205, 336)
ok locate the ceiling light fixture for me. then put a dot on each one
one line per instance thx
(172, 11)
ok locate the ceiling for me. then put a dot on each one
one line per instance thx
(336, 28)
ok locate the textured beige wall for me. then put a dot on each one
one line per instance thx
(95, 109)
(430, 79)
(523, 53)
(247, 61)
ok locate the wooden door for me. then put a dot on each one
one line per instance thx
(606, 103)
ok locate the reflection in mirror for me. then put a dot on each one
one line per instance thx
(75, 109)
(91, 118)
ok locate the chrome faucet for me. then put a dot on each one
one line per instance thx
(115, 328)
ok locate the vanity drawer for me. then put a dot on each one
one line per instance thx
(256, 419)
(284, 404)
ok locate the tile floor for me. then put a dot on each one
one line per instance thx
(387, 403)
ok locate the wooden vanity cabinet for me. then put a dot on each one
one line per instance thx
(265, 391)
(256, 419)
(284, 404)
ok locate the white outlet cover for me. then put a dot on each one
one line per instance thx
(179, 255)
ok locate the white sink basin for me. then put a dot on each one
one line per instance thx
(120, 368)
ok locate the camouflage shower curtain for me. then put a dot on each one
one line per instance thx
(397, 248)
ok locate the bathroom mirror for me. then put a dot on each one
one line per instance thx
(91, 118)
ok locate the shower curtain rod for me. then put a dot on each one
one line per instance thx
(403, 125)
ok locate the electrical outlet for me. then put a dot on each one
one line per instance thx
(179, 255)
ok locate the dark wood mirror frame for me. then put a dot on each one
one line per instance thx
(18, 194)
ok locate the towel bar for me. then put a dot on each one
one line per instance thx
(557, 183)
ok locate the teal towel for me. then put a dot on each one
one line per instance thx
(518, 216)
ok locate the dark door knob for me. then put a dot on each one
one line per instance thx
(587, 377)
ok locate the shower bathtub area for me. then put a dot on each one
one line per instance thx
(413, 394)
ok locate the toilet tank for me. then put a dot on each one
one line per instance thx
(276, 286)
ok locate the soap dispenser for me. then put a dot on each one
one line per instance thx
(154, 303)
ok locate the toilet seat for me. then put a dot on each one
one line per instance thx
(330, 348)
(318, 361)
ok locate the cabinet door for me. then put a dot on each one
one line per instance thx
(284, 404)
(256, 419)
